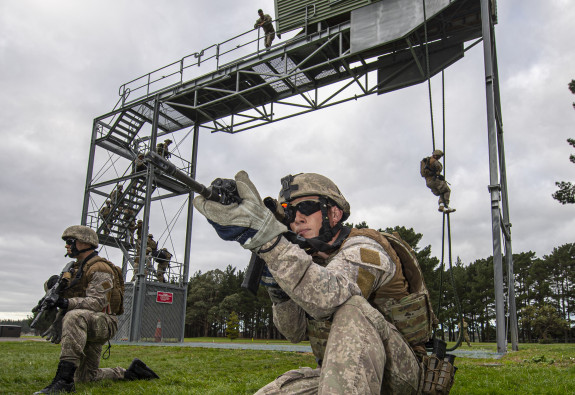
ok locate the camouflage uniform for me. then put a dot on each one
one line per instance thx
(152, 244)
(362, 352)
(88, 323)
(130, 223)
(86, 318)
(163, 259)
(139, 163)
(131, 229)
(437, 185)
(267, 27)
(116, 194)
(139, 229)
(162, 149)
(465, 333)
(104, 212)
(148, 265)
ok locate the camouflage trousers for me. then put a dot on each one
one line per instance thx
(365, 354)
(269, 38)
(162, 266)
(84, 332)
(439, 188)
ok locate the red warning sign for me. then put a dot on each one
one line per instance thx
(164, 297)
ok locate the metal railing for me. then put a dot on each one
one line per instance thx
(187, 68)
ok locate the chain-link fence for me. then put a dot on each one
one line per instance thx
(163, 313)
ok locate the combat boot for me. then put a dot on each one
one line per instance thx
(138, 370)
(64, 380)
(448, 210)
(441, 208)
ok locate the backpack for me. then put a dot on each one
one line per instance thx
(424, 169)
(117, 296)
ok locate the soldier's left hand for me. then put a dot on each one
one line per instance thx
(250, 222)
(54, 332)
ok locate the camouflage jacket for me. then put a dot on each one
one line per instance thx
(93, 289)
(105, 211)
(435, 166)
(267, 24)
(360, 267)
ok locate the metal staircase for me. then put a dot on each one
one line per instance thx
(128, 205)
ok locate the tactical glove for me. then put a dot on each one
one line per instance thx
(54, 332)
(61, 303)
(277, 295)
(250, 222)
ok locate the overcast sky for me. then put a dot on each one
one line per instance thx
(62, 63)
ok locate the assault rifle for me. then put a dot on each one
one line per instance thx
(221, 190)
(52, 295)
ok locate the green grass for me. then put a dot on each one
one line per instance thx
(239, 340)
(28, 366)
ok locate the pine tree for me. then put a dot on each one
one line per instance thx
(233, 326)
(566, 192)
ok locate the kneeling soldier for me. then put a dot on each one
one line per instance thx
(86, 319)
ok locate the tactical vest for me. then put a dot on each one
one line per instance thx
(404, 300)
(99, 264)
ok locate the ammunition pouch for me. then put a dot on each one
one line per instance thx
(411, 316)
(438, 374)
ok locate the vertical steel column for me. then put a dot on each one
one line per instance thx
(511, 308)
(140, 283)
(186, 274)
(494, 187)
(89, 172)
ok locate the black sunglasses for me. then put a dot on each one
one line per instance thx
(307, 207)
(70, 242)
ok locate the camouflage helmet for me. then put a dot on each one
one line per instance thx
(168, 141)
(437, 152)
(150, 235)
(312, 184)
(82, 233)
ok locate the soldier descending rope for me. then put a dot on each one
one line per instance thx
(430, 169)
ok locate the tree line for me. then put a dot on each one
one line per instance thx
(544, 292)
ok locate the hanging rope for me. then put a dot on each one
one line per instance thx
(428, 72)
(445, 215)
(452, 277)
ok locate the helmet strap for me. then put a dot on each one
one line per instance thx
(74, 252)
(327, 233)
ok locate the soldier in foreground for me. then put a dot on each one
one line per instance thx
(87, 317)
(430, 169)
(321, 277)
